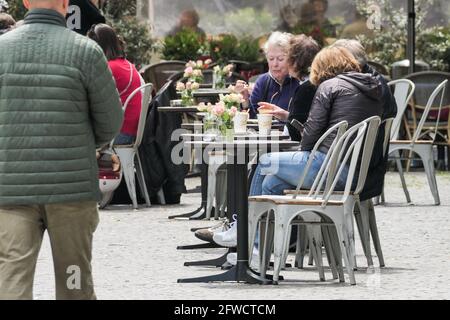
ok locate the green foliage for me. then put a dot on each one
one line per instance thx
(185, 45)
(118, 8)
(16, 9)
(139, 43)
(250, 22)
(389, 42)
(248, 50)
(121, 15)
(433, 46)
(223, 48)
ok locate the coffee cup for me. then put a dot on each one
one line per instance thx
(264, 123)
(240, 122)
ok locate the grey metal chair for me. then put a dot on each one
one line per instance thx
(159, 73)
(129, 155)
(423, 148)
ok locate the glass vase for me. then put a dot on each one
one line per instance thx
(218, 81)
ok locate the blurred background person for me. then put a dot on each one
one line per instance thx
(188, 19)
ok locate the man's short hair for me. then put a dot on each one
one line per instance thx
(356, 49)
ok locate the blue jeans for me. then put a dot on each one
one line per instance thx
(124, 139)
(279, 171)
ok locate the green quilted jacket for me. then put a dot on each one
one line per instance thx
(58, 102)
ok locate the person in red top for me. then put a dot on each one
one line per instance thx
(126, 76)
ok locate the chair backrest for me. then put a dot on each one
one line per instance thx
(426, 82)
(338, 157)
(373, 124)
(403, 91)
(388, 125)
(339, 128)
(439, 94)
(158, 73)
(146, 91)
(347, 149)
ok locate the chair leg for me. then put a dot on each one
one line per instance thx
(332, 233)
(348, 216)
(315, 249)
(374, 233)
(281, 236)
(141, 180)
(310, 256)
(329, 251)
(365, 231)
(343, 242)
(161, 197)
(126, 158)
(428, 165)
(402, 177)
(301, 246)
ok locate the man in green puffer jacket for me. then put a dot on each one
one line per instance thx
(58, 102)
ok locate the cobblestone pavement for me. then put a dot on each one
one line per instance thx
(135, 255)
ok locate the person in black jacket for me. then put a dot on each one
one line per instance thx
(301, 53)
(82, 15)
(378, 164)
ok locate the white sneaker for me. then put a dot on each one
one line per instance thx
(254, 264)
(227, 238)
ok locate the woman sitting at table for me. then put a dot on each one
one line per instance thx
(301, 53)
(126, 76)
(343, 93)
(275, 86)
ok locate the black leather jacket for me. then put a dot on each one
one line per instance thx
(351, 96)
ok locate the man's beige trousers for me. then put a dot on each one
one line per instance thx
(70, 227)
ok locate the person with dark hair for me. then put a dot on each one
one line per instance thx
(188, 19)
(301, 53)
(126, 76)
(58, 103)
(82, 14)
(7, 23)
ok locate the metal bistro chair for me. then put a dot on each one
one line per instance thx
(362, 218)
(129, 155)
(159, 73)
(403, 91)
(425, 83)
(423, 148)
(317, 210)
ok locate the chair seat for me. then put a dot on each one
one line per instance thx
(303, 192)
(124, 146)
(410, 141)
(290, 201)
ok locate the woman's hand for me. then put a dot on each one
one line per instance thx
(274, 110)
(242, 88)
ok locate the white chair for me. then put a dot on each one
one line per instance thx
(403, 91)
(129, 155)
(423, 148)
(362, 218)
(365, 216)
(318, 209)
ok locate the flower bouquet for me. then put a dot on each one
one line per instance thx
(187, 92)
(193, 71)
(219, 117)
(220, 74)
